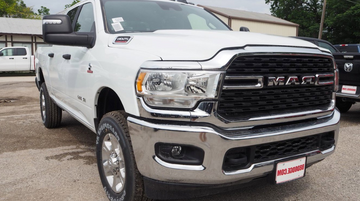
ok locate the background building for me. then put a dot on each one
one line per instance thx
(256, 22)
(21, 32)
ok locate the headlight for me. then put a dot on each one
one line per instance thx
(176, 89)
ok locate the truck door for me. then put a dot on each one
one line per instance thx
(22, 59)
(7, 60)
(78, 68)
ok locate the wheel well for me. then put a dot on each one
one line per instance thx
(108, 101)
(42, 80)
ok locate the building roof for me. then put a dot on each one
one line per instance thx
(247, 15)
(20, 26)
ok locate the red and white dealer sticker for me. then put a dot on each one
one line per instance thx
(290, 170)
(348, 89)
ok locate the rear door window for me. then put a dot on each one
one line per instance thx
(20, 52)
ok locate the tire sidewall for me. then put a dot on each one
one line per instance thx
(106, 126)
(43, 91)
(343, 106)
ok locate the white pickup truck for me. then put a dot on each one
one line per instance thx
(182, 106)
(16, 59)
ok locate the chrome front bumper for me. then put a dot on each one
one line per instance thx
(145, 134)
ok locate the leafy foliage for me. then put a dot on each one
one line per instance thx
(73, 3)
(16, 9)
(306, 13)
(44, 11)
(341, 22)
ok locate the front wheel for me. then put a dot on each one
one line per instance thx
(342, 105)
(116, 163)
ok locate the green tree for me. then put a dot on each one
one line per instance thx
(342, 21)
(7, 7)
(306, 13)
(16, 9)
(73, 3)
(43, 11)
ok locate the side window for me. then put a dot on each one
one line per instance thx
(8, 52)
(327, 46)
(72, 14)
(20, 52)
(85, 22)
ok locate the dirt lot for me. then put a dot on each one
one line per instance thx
(59, 164)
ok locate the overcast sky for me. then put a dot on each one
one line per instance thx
(259, 6)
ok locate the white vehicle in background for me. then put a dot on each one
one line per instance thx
(16, 59)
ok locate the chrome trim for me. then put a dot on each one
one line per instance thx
(343, 95)
(259, 85)
(328, 150)
(50, 21)
(230, 173)
(206, 113)
(240, 135)
(179, 166)
(224, 58)
(148, 112)
(327, 75)
(296, 114)
(144, 135)
(348, 57)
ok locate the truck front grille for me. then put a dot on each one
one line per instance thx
(237, 103)
(244, 157)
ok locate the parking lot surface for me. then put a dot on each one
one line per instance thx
(59, 164)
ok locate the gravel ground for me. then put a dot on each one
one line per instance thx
(60, 164)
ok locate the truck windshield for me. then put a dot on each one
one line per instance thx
(148, 16)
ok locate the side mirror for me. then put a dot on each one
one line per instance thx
(245, 29)
(57, 29)
(1, 54)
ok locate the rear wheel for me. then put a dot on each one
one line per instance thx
(116, 163)
(50, 113)
(342, 105)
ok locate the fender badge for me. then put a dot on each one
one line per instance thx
(89, 69)
(122, 40)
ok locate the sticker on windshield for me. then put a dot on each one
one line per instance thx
(117, 19)
(117, 26)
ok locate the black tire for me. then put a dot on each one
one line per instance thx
(119, 166)
(342, 105)
(50, 113)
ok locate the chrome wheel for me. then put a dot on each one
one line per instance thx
(113, 163)
(43, 106)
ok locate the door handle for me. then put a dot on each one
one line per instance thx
(67, 56)
(24, 57)
(11, 58)
(51, 55)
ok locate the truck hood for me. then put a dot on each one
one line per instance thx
(194, 45)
